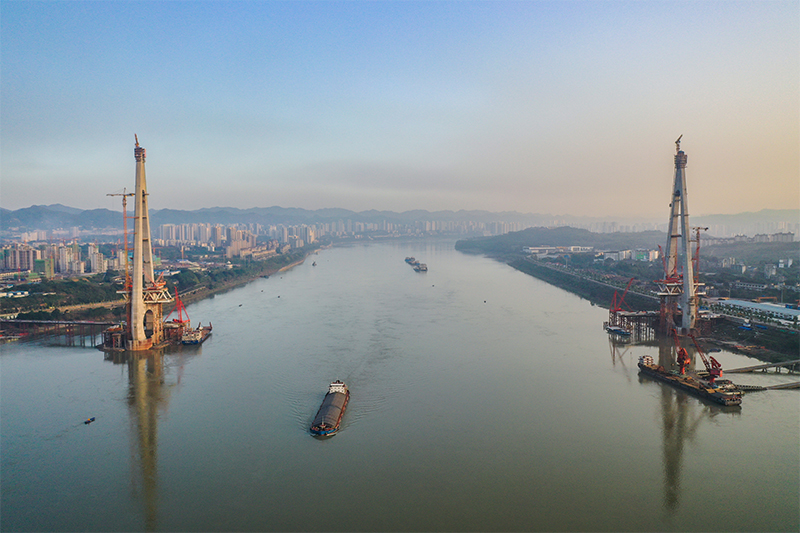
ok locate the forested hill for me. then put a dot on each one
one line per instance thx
(562, 236)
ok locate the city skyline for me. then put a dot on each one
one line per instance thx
(569, 108)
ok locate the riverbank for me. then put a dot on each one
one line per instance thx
(765, 343)
(206, 284)
(597, 292)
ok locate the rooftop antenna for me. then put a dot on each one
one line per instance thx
(677, 144)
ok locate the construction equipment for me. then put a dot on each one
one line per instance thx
(125, 195)
(183, 316)
(682, 355)
(713, 367)
(616, 305)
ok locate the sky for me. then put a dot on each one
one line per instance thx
(565, 107)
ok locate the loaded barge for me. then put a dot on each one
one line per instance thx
(196, 336)
(697, 387)
(330, 413)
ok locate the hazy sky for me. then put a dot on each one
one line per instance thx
(544, 107)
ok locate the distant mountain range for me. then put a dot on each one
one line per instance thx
(57, 216)
(46, 217)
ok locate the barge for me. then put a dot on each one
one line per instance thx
(196, 336)
(703, 389)
(617, 330)
(330, 413)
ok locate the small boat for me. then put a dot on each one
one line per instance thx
(197, 335)
(421, 267)
(410, 260)
(330, 413)
(616, 330)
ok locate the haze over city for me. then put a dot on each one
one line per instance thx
(550, 107)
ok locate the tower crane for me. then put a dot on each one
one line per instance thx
(125, 195)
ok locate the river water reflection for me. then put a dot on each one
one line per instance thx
(482, 399)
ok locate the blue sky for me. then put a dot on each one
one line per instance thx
(547, 107)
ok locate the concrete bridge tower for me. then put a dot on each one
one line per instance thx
(147, 294)
(679, 285)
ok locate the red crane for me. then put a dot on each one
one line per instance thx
(713, 366)
(183, 315)
(683, 355)
(617, 305)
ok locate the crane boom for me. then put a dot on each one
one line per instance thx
(616, 305)
(125, 195)
(713, 367)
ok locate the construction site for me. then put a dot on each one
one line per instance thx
(679, 316)
(146, 328)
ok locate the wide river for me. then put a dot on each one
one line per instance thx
(482, 399)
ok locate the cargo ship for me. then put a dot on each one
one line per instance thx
(196, 336)
(330, 413)
(703, 389)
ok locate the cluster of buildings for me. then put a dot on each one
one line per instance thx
(640, 254)
(50, 259)
(787, 314)
(770, 269)
(216, 235)
(786, 236)
(238, 240)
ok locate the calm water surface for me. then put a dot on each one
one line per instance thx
(482, 399)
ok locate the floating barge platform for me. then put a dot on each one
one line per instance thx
(694, 386)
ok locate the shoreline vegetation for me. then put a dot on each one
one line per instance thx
(192, 285)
